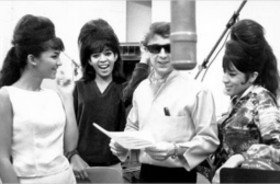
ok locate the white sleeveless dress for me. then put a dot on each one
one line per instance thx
(38, 135)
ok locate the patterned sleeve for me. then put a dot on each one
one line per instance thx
(269, 126)
(269, 120)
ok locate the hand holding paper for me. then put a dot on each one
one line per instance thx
(118, 150)
(130, 139)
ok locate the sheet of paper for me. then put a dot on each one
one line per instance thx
(129, 139)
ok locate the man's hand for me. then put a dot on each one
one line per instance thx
(118, 150)
(65, 84)
(161, 151)
(145, 57)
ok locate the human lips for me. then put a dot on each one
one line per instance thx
(103, 66)
(55, 69)
(163, 63)
(228, 88)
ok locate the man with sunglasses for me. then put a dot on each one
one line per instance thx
(178, 113)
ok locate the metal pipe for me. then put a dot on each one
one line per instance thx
(183, 34)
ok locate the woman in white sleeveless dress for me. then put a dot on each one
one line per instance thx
(36, 126)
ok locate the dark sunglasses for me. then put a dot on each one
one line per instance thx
(155, 49)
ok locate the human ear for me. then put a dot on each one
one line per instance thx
(90, 62)
(32, 59)
(116, 57)
(253, 77)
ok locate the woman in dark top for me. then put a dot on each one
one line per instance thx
(100, 96)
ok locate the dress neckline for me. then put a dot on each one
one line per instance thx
(99, 93)
(31, 91)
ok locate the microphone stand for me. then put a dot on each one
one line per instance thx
(229, 24)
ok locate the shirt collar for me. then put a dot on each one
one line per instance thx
(250, 89)
(169, 77)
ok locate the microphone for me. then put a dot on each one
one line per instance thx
(183, 34)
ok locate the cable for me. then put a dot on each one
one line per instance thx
(218, 52)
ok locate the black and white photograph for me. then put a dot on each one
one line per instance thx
(139, 91)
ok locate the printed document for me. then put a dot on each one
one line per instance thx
(129, 139)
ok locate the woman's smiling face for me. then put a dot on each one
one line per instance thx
(235, 81)
(103, 62)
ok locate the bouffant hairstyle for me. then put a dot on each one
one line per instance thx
(249, 51)
(32, 35)
(94, 37)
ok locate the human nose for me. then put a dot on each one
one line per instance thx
(225, 78)
(58, 62)
(102, 57)
(162, 53)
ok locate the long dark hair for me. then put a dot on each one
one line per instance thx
(32, 35)
(249, 52)
(94, 36)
